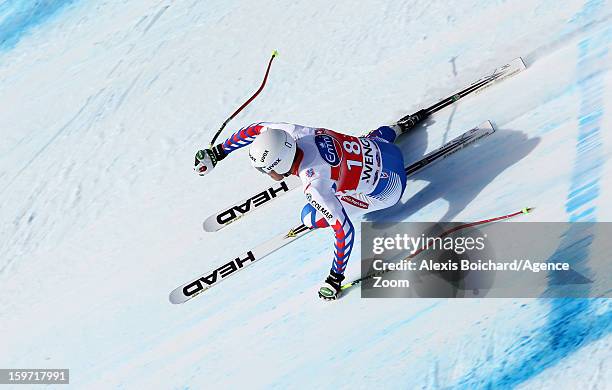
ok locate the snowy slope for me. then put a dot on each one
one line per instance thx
(103, 105)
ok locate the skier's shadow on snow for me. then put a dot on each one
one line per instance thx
(460, 178)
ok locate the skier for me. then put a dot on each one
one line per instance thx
(342, 176)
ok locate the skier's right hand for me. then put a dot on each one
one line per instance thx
(207, 159)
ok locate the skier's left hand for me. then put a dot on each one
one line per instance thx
(207, 159)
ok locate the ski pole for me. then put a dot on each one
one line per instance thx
(525, 210)
(263, 83)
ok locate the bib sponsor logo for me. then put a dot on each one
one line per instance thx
(368, 160)
(329, 149)
(355, 202)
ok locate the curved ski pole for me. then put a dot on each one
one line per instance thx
(263, 83)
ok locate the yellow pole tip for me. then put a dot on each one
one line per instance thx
(527, 210)
(274, 53)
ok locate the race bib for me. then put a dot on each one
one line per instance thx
(355, 162)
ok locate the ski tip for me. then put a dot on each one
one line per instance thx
(209, 227)
(176, 297)
(527, 210)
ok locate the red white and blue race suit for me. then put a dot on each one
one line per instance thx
(342, 176)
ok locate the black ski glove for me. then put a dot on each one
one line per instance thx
(207, 159)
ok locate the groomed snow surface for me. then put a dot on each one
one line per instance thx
(103, 105)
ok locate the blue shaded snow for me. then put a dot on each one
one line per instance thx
(571, 323)
(18, 17)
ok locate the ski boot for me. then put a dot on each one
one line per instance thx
(330, 290)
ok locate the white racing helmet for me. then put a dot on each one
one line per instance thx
(273, 150)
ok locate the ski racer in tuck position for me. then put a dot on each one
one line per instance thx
(343, 176)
